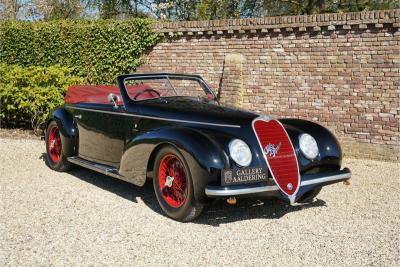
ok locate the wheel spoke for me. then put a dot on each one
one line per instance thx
(54, 144)
(176, 194)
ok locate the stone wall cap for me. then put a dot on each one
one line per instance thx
(389, 17)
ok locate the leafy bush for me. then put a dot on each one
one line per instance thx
(96, 50)
(27, 95)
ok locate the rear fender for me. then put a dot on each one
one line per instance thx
(68, 130)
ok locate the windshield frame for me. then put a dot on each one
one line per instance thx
(167, 76)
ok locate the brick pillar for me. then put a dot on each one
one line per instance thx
(233, 81)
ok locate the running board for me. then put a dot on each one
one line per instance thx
(97, 167)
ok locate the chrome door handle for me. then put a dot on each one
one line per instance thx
(78, 116)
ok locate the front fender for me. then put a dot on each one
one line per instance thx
(68, 130)
(330, 152)
(204, 155)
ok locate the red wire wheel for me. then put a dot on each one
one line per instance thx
(54, 144)
(173, 180)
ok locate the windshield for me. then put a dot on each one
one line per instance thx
(141, 88)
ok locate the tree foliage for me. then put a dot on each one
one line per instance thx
(180, 9)
(223, 9)
(56, 9)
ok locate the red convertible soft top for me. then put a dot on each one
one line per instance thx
(98, 93)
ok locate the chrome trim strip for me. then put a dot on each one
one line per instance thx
(327, 179)
(156, 118)
(243, 191)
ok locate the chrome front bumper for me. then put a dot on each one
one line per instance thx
(306, 180)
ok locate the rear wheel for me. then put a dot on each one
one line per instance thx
(54, 148)
(174, 187)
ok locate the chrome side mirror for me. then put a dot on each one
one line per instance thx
(113, 99)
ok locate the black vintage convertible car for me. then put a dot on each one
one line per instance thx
(170, 128)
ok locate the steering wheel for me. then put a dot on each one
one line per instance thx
(144, 91)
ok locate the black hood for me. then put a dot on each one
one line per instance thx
(194, 109)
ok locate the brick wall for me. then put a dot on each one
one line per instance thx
(341, 70)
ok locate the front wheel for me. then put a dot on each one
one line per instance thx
(174, 187)
(54, 148)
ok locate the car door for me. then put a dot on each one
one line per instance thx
(103, 132)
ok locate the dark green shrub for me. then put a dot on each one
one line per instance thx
(27, 95)
(96, 50)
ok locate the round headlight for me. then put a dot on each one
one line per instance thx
(308, 146)
(240, 152)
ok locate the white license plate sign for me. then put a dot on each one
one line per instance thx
(244, 176)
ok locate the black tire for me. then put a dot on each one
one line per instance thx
(61, 164)
(190, 208)
(309, 196)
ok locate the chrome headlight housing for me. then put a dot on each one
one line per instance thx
(240, 152)
(308, 146)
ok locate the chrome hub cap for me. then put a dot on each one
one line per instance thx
(168, 181)
(52, 143)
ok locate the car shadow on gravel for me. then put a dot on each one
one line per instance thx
(218, 212)
(250, 208)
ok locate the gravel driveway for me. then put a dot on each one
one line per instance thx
(84, 218)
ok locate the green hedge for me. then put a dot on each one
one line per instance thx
(27, 95)
(96, 50)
